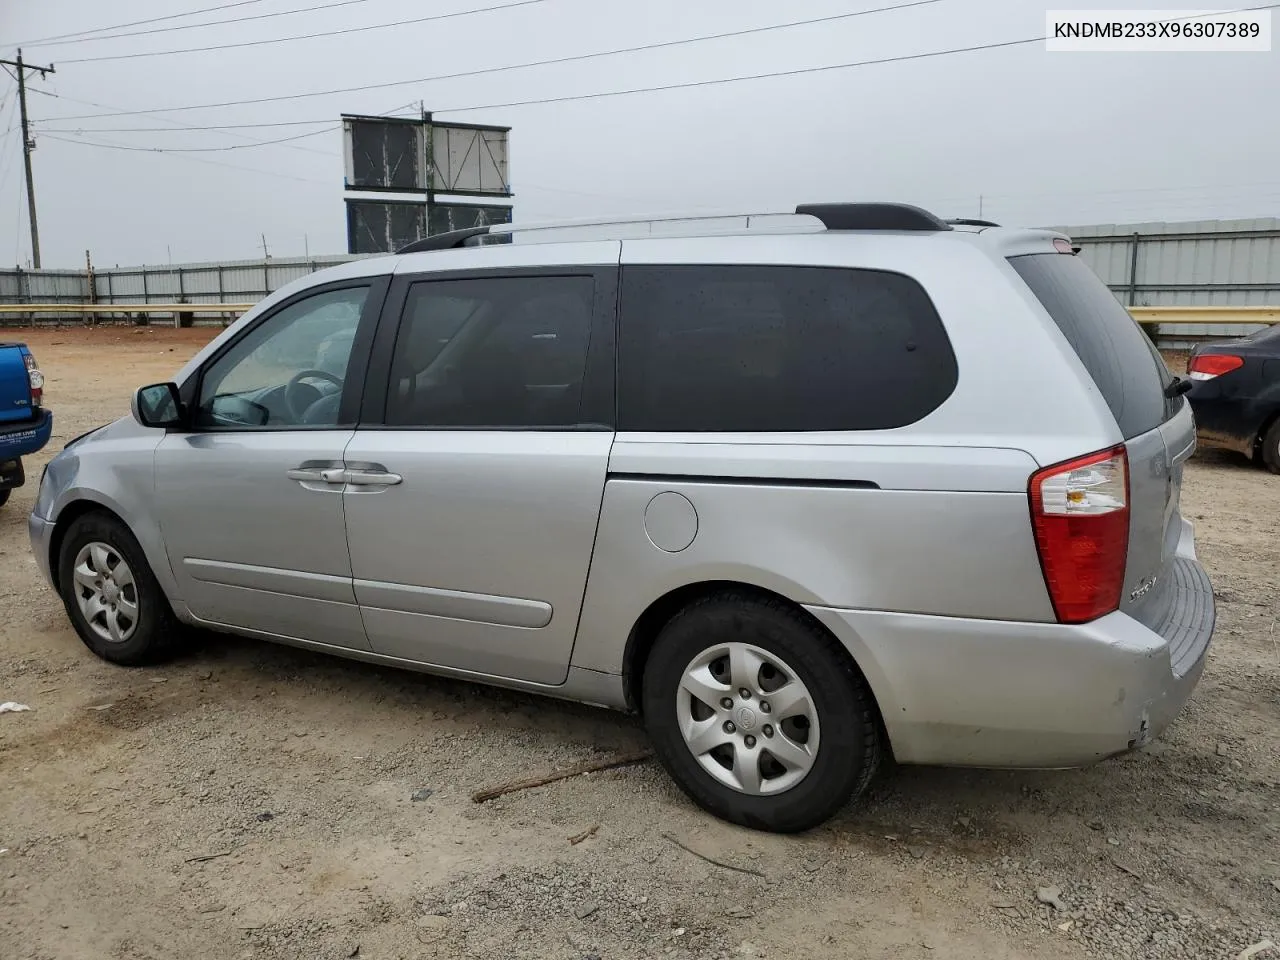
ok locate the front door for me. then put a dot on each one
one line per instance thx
(250, 500)
(475, 480)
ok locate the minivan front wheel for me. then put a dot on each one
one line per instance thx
(757, 714)
(110, 593)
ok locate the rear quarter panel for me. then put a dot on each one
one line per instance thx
(765, 521)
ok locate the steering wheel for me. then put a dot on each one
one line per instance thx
(294, 398)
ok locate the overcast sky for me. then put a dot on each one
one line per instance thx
(1043, 138)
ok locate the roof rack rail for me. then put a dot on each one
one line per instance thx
(443, 241)
(872, 216)
(967, 222)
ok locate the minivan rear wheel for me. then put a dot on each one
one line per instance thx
(112, 597)
(758, 714)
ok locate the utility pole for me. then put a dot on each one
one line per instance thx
(431, 172)
(28, 144)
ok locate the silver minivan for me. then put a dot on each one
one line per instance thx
(807, 491)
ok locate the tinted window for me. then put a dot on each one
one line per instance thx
(506, 352)
(1125, 365)
(288, 370)
(760, 348)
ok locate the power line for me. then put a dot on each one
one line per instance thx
(536, 63)
(178, 124)
(137, 23)
(215, 163)
(17, 227)
(332, 4)
(309, 36)
(234, 146)
(184, 129)
(514, 66)
(801, 71)
(6, 159)
(181, 156)
(718, 81)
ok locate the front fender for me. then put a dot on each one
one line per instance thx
(112, 469)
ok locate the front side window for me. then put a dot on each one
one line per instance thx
(492, 353)
(776, 348)
(289, 370)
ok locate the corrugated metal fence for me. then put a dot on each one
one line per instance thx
(234, 281)
(1200, 263)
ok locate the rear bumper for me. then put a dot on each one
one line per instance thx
(992, 693)
(26, 436)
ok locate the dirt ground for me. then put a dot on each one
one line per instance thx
(255, 801)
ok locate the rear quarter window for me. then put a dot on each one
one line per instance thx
(777, 348)
(1123, 362)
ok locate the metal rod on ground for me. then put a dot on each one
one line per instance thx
(480, 796)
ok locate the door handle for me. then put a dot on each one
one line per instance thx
(312, 475)
(372, 478)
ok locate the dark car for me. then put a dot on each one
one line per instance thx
(1236, 395)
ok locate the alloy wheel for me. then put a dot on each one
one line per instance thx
(106, 592)
(748, 719)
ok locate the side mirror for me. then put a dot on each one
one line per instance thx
(158, 406)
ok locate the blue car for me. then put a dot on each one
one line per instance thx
(25, 426)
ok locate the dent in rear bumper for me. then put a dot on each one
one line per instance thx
(995, 693)
(41, 532)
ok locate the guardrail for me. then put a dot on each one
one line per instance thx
(1233, 315)
(176, 310)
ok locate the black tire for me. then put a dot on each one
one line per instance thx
(4, 495)
(156, 633)
(1271, 448)
(849, 748)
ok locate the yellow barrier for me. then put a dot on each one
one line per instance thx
(1206, 314)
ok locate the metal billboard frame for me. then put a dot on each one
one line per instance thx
(349, 152)
(473, 154)
(426, 213)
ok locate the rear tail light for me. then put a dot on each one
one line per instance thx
(1206, 366)
(1080, 513)
(36, 379)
